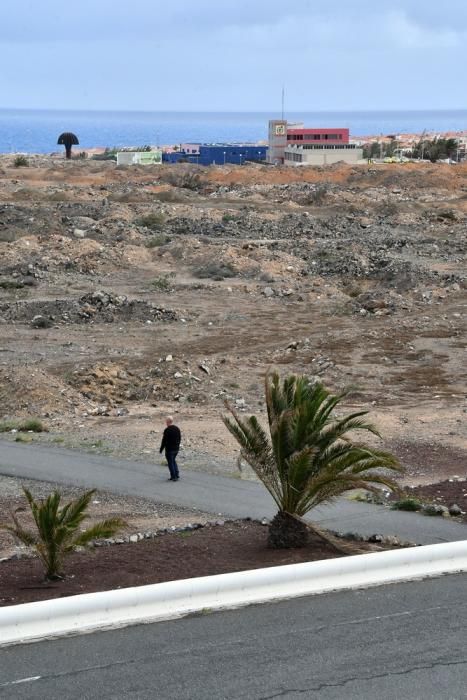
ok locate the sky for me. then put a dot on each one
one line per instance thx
(233, 55)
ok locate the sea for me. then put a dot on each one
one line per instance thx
(36, 131)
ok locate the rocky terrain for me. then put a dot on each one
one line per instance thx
(130, 293)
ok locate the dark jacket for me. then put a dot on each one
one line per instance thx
(171, 439)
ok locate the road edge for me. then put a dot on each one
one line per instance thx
(91, 612)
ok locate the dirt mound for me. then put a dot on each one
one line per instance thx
(112, 384)
(32, 391)
(95, 307)
(109, 385)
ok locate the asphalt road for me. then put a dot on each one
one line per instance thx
(406, 641)
(215, 494)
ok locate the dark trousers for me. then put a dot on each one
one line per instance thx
(170, 456)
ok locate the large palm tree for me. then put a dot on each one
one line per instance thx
(58, 529)
(307, 458)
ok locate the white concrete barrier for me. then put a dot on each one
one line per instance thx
(164, 601)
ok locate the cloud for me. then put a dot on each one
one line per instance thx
(231, 54)
(408, 34)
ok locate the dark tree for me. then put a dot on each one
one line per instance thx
(68, 140)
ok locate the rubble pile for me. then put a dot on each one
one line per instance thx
(94, 307)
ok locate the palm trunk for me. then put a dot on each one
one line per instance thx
(68, 152)
(286, 531)
(340, 546)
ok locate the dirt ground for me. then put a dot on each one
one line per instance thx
(235, 546)
(127, 294)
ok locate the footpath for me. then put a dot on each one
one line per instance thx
(223, 496)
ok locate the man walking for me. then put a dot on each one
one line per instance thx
(171, 439)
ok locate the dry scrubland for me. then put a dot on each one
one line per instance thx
(126, 294)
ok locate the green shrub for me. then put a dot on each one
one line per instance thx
(183, 178)
(352, 289)
(316, 196)
(409, 503)
(57, 197)
(162, 284)
(168, 196)
(109, 154)
(21, 162)
(157, 240)
(33, 425)
(30, 425)
(11, 284)
(226, 218)
(215, 271)
(23, 438)
(153, 221)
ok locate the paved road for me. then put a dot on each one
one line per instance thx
(216, 494)
(403, 641)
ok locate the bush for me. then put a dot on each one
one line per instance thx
(30, 425)
(316, 196)
(11, 284)
(157, 240)
(33, 425)
(185, 179)
(109, 154)
(23, 438)
(168, 196)
(154, 221)
(227, 218)
(409, 503)
(162, 284)
(215, 271)
(352, 289)
(21, 162)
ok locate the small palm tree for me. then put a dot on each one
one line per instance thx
(307, 458)
(58, 529)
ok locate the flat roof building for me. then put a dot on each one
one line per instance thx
(292, 144)
(322, 154)
(218, 154)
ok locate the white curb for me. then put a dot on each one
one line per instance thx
(163, 601)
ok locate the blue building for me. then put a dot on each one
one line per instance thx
(219, 154)
(179, 157)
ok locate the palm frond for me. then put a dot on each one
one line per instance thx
(105, 528)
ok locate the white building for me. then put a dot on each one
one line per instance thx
(320, 154)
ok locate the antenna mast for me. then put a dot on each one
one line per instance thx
(282, 112)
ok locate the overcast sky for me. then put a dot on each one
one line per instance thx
(230, 55)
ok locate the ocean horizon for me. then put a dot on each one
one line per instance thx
(36, 131)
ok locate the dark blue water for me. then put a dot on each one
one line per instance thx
(36, 131)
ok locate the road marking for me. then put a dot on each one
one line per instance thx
(21, 680)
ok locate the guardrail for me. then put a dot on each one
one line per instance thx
(163, 601)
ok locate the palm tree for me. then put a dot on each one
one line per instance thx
(307, 458)
(58, 529)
